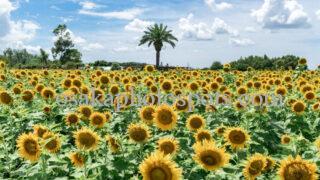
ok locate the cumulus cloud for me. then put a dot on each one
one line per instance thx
(81, 42)
(121, 49)
(218, 6)
(93, 46)
(318, 14)
(29, 48)
(220, 27)
(13, 31)
(128, 14)
(138, 25)
(199, 31)
(275, 14)
(241, 42)
(88, 5)
(203, 31)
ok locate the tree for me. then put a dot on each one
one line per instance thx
(216, 65)
(156, 35)
(64, 47)
(43, 57)
(115, 66)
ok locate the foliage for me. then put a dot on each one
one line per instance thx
(157, 35)
(266, 63)
(115, 66)
(63, 49)
(216, 65)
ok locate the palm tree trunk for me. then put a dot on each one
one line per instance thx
(158, 59)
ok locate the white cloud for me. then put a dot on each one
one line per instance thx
(128, 14)
(241, 42)
(250, 29)
(14, 31)
(275, 14)
(200, 31)
(93, 46)
(220, 27)
(218, 6)
(203, 31)
(29, 48)
(88, 5)
(121, 49)
(5, 9)
(138, 25)
(318, 14)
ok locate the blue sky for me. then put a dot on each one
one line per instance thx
(208, 30)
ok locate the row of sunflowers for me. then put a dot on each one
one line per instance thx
(43, 139)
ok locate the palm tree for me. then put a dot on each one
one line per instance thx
(157, 35)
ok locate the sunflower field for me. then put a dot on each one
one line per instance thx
(43, 138)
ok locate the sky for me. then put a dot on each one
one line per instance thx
(208, 30)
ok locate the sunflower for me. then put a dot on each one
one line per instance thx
(114, 89)
(104, 79)
(51, 142)
(160, 167)
(29, 147)
(209, 156)
(71, 119)
(97, 119)
(182, 104)
(149, 68)
(242, 90)
(16, 90)
(5, 98)
(298, 107)
(66, 83)
(285, 139)
(317, 143)
(166, 85)
(85, 111)
(270, 163)
(98, 94)
(138, 133)
(195, 122)
(108, 116)
(48, 93)
(77, 159)
(316, 106)
(86, 139)
(27, 95)
(39, 130)
(309, 95)
(146, 114)
(193, 86)
(168, 145)
(254, 166)
(113, 144)
(165, 118)
(202, 135)
(47, 109)
(236, 137)
(220, 130)
(302, 61)
(281, 91)
(296, 169)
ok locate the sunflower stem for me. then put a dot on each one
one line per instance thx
(44, 166)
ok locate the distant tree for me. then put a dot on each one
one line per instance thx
(63, 49)
(115, 66)
(156, 35)
(43, 57)
(216, 65)
(17, 57)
